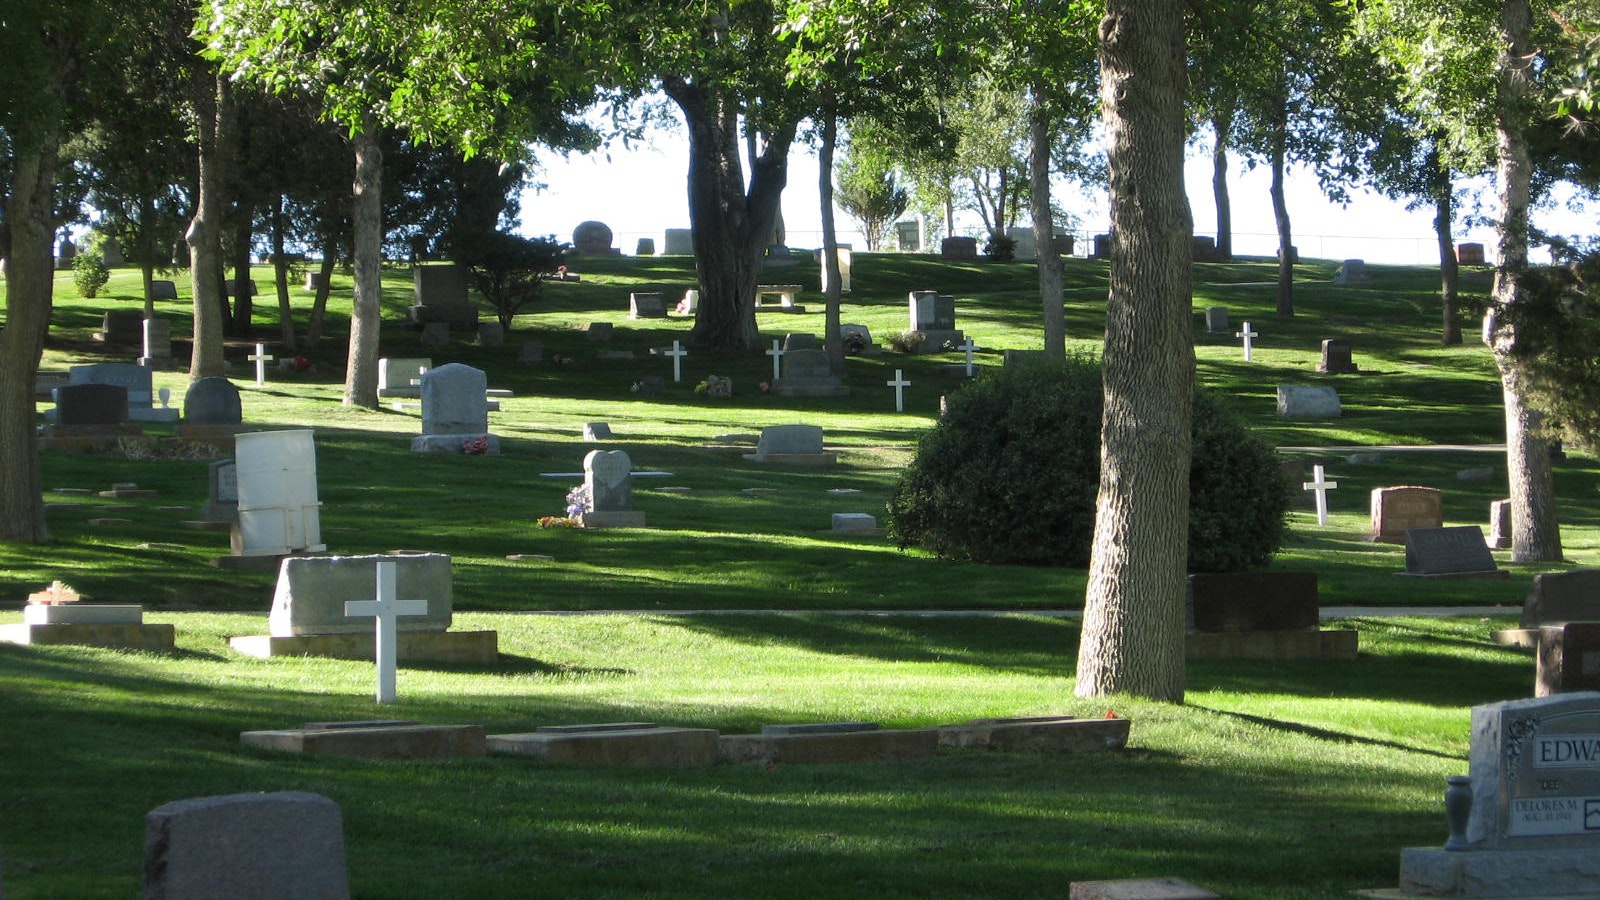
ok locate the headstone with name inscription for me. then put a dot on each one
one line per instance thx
(1458, 551)
(222, 498)
(91, 405)
(138, 382)
(1533, 827)
(246, 847)
(808, 373)
(1396, 510)
(212, 412)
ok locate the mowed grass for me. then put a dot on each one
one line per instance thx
(1274, 780)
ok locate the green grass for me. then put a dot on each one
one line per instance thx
(1277, 780)
(1288, 779)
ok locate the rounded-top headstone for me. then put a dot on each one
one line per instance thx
(592, 237)
(212, 401)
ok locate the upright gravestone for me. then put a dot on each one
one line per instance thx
(800, 340)
(1354, 271)
(908, 236)
(1469, 254)
(957, 248)
(1336, 358)
(792, 444)
(455, 412)
(121, 326)
(647, 306)
(846, 259)
(1500, 525)
(230, 287)
(138, 382)
(439, 294)
(222, 496)
(246, 847)
(1569, 660)
(933, 316)
(808, 373)
(399, 376)
(162, 289)
(490, 334)
(157, 344)
(608, 478)
(91, 405)
(279, 512)
(1533, 825)
(212, 411)
(1396, 510)
(1216, 319)
(593, 238)
(678, 242)
(1024, 244)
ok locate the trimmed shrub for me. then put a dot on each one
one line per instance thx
(89, 273)
(1010, 474)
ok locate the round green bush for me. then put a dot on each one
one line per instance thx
(1010, 474)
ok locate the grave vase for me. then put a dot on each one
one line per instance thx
(1457, 810)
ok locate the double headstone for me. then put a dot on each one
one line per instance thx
(808, 373)
(396, 376)
(791, 443)
(1455, 552)
(958, 248)
(1396, 510)
(455, 412)
(136, 379)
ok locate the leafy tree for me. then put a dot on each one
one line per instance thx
(508, 269)
(89, 273)
(868, 187)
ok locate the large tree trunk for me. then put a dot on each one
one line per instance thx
(833, 341)
(29, 278)
(319, 303)
(730, 227)
(366, 315)
(1044, 236)
(1280, 212)
(1221, 126)
(1133, 625)
(1535, 533)
(1443, 227)
(204, 236)
(147, 247)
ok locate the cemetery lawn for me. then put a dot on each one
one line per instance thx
(1276, 780)
(753, 536)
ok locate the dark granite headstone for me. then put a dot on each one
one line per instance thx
(161, 289)
(230, 287)
(1562, 597)
(92, 404)
(800, 341)
(1236, 602)
(1336, 358)
(1469, 254)
(647, 306)
(212, 401)
(122, 326)
(1457, 550)
(958, 248)
(1569, 659)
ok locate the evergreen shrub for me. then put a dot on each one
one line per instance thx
(1010, 473)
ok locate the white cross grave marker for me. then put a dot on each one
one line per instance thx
(1248, 336)
(260, 359)
(899, 384)
(1322, 486)
(386, 609)
(677, 353)
(968, 346)
(776, 353)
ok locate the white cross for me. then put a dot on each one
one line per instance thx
(386, 609)
(1322, 486)
(677, 353)
(260, 359)
(968, 346)
(776, 353)
(1247, 334)
(899, 384)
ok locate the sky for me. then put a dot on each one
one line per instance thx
(641, 191)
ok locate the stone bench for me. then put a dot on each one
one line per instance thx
(784, 292)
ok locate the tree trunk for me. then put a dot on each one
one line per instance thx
(205, 246)
(730, 226)
(29, 279)
(280, 276)
(1221, 126)
(1133, 626)
(319, 304)
(1449, 270)
(1280, 213)
(1044, 236)
(361, 368)
(1535, 533)
(243, 301)
(832, 340)
(147, 246)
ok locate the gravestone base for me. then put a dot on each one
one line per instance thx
(382, 742)
(110, 635)
(158, 363)
(83, 614)
(1525, 638)
(806, 387)
(847, 747)
(456, 317)
(1433, 872)
(468, 647)
(85, 438)
(154, 414)
(452, 443)
(239, 563)
(795, 459)
(216, 435)
(616, 518)
(632, 744)
(1330, 644)
(1048, 734)
(1486, 575)
(934, 340)
(207, 525)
